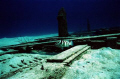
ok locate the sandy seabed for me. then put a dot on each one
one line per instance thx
(103, 63)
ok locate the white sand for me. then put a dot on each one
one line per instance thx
(18, 40)
(103, 63)
(15, 59)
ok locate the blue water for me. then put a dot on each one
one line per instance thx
(39, 17)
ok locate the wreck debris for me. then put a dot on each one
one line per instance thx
(28, 49)
(42, 67)
(12, 66)
(62, 23)
(111, 42)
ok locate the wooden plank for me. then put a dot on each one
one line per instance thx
(102, 41)
(65, 54)
(8, 52)
(67, 38)
(76, 55)
(88, 37)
